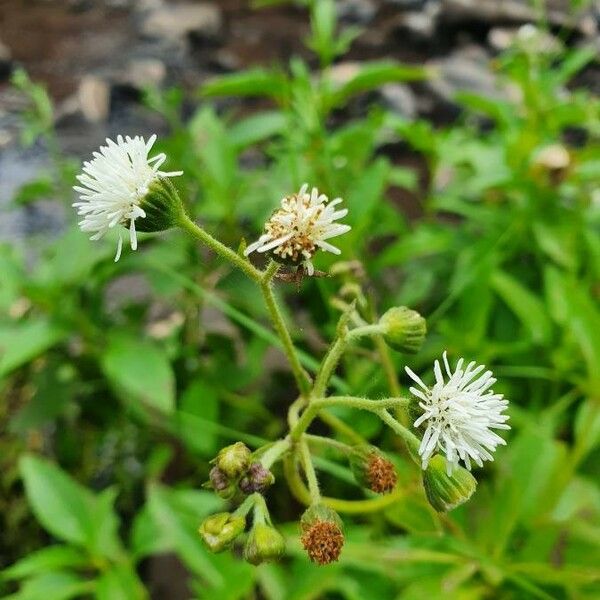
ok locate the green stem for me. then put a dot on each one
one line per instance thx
(412, 441)
(365, 330)
(261, 512)
(274, 453)
(246, 506)
(302, 494)
(309, 471)
(219, 248)
(328, 442)
(328, 366)
(300, 375)
(376, 406)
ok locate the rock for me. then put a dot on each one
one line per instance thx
(502, 38)
(558, 12)
(408, 4)
(140, 73)
(360, 12)
(175, 22)
(419, 26)
(466, 69)
(94, 99)
(399, 99)
(343, 72)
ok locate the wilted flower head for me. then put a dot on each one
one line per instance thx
(256, 479)
(460, 414)
(114, 185)
(301, 226)
(322, 534)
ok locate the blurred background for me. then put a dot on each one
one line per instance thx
(463, 136)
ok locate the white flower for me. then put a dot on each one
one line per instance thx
(300, 227)
(114, 183)
(460, 414)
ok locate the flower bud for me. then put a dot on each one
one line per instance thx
(162, 206)
(372, 469)
(264, 543)
(322, 534)
(219, 531)
(233, 460)
(222, 485)
(256, 479)
(404, 329)
(444, 491)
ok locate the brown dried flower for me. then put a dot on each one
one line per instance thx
(323, 542)
(322, 534)
(381, 474)
(372, 469)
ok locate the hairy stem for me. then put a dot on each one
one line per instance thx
(412, 441)
(327, 442)
(302, 379)
(219, 248)
(274, 452)
(309, 472)
(369, 505)
(376, 406)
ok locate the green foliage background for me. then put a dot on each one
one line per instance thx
(119, 382)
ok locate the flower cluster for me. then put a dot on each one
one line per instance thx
(454, 420)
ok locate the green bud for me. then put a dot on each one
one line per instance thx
(233, 460)
(264, 543)
(162, 206)
(372, 469)
(219, 531)
(444, 491)
(404, 329)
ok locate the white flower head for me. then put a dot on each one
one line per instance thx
(300, 226)
(460, 414)
(114, 184)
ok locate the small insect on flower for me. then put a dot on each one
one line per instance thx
(460, 414)
(299, 227)
(115, 190)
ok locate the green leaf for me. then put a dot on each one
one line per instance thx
(52, 558)
(199, 400)
(24, 341)
(180, 529)
(587, 427)
(257, 128)
(68, 510)
(373, 75)
(54, 586)
(527, 307)
(252, 82)
(140, 372)
(43, 187)
(120, 582)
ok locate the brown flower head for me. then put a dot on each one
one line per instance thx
(372, 469)
(322, 534)
(381, 474)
